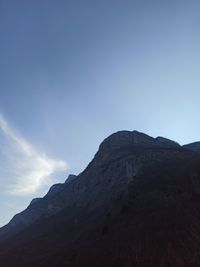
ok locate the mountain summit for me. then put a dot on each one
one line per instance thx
(137, 203)
(128, 138)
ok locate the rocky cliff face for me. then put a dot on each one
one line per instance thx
(136, 204)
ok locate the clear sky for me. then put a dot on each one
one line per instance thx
(72, 72)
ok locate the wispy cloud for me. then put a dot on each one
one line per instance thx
(31, 169)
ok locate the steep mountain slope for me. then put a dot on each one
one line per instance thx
(136, 204)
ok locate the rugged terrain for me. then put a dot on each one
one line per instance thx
(137, 204)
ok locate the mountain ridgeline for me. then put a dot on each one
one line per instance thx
(137, 204)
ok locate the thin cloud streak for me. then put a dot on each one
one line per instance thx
(31, 169)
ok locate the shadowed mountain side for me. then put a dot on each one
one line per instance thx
(136, 204)
(193, 147)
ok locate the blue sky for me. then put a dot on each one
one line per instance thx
(72, 72)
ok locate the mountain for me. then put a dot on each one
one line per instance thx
(193, 147)
(137, 203)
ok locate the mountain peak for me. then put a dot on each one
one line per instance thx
(166, 141)
(195, 146)
(126, 138)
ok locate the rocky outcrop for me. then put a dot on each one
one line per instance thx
(56, 188)
(35, 200)
(167, 142)
(70, 178)
(126, 138)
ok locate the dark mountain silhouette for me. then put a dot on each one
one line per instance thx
(193, 147)
(136, 204)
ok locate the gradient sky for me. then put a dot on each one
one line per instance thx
(72, 72)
